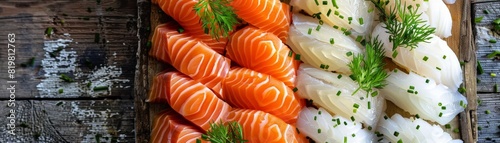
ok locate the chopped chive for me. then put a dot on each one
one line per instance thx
(444, 56)
(89, 84)
(319, 131)
(318, 27)
(320, 22)
(334, 3)
(440, 114)
(456, 130)
(396, 133)
(447, 126)
(348, 54)
(479, 128)
(400, 141)
(493, 54)
(345, 139)
(59, 103)
(496, 21)
(480, 69)
(369, 128)
(359, 38)
(339, 92)
(327, 66)
(417, 116)
(325, 2)
(66, 78)
(461, 103)
(341, 16)
(425, 58)
(412, 87)
(352, 118)
(339, 76)
(338, 121)
(319, 112)
(361, 21)
(385, 117)
(61, 91)
(354, 110)
(48, 31)
(347, 33)
(315, 118)
(427, 81)
(410, 91)
(345, 123)
(479, 102)
(369, 105)
(297, 57)
(317, 3)
(493, 74)
(438, 68)
(336, 13)
(487, 112)
(418, 127)
(309, 31)
(329, 12)
(478, 19)
(370, 10)
(356, 105)
(290, 54)
(486, 11)
(180, 30)
(99, 88)
(443, 108)
(461, 90)
(349, 19)
(440, 104)
(295, 89)
(343, 29)
(375, 93)
(493, 41)
(322, 66)
(336, 27)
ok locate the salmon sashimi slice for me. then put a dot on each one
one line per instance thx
(170, 127)
(183, 12)
(159, 45)
(268, 15)
(262, 127)
(248, 89)
(159, 89)
(263, 52)
(194, 100)
(190, 56)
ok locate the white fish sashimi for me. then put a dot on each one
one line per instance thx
(355, 14)
(433, 59)
(412, 131)
(334, 91)
(440, 18)
(320, 126)
(316, 49)
(418, 95)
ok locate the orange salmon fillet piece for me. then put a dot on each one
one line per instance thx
(263, 52)
(268, 15)
(248, 89)
(170, 127)
(183, 12)
(190, 56)
(262, 127)
(193, 100)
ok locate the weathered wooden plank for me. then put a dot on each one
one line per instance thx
(483, 34)
(67, 121)
(102, 48)
(489, 123)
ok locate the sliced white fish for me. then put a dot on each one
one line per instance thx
(355, 14)
(440, 18)
(315, 46)
(334, 92)
(433, 59)
(423, 96)
(408, 130)
(320, 126)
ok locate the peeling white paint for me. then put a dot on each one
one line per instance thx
(65, 62)
(484, 34)
(97, 124)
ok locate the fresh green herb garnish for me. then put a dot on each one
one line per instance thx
(478, 19)
(232, 132)
(407, 32)
(66, 78)
(368, 70)
(217, 17)
(480, 69)
(99, 88)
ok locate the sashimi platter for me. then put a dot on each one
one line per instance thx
(301, 71)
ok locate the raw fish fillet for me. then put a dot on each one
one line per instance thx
(170, 127)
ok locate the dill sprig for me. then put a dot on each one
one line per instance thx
(217, 17)
(407, 32)
(232, 132)
(368, 70)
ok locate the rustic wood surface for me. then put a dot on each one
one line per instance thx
(101, 49)
(489, 98)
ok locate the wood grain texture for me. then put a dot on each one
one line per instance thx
(68, 121)
(483, 34)
(102, 33)
(489, 123)
(148, 67)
